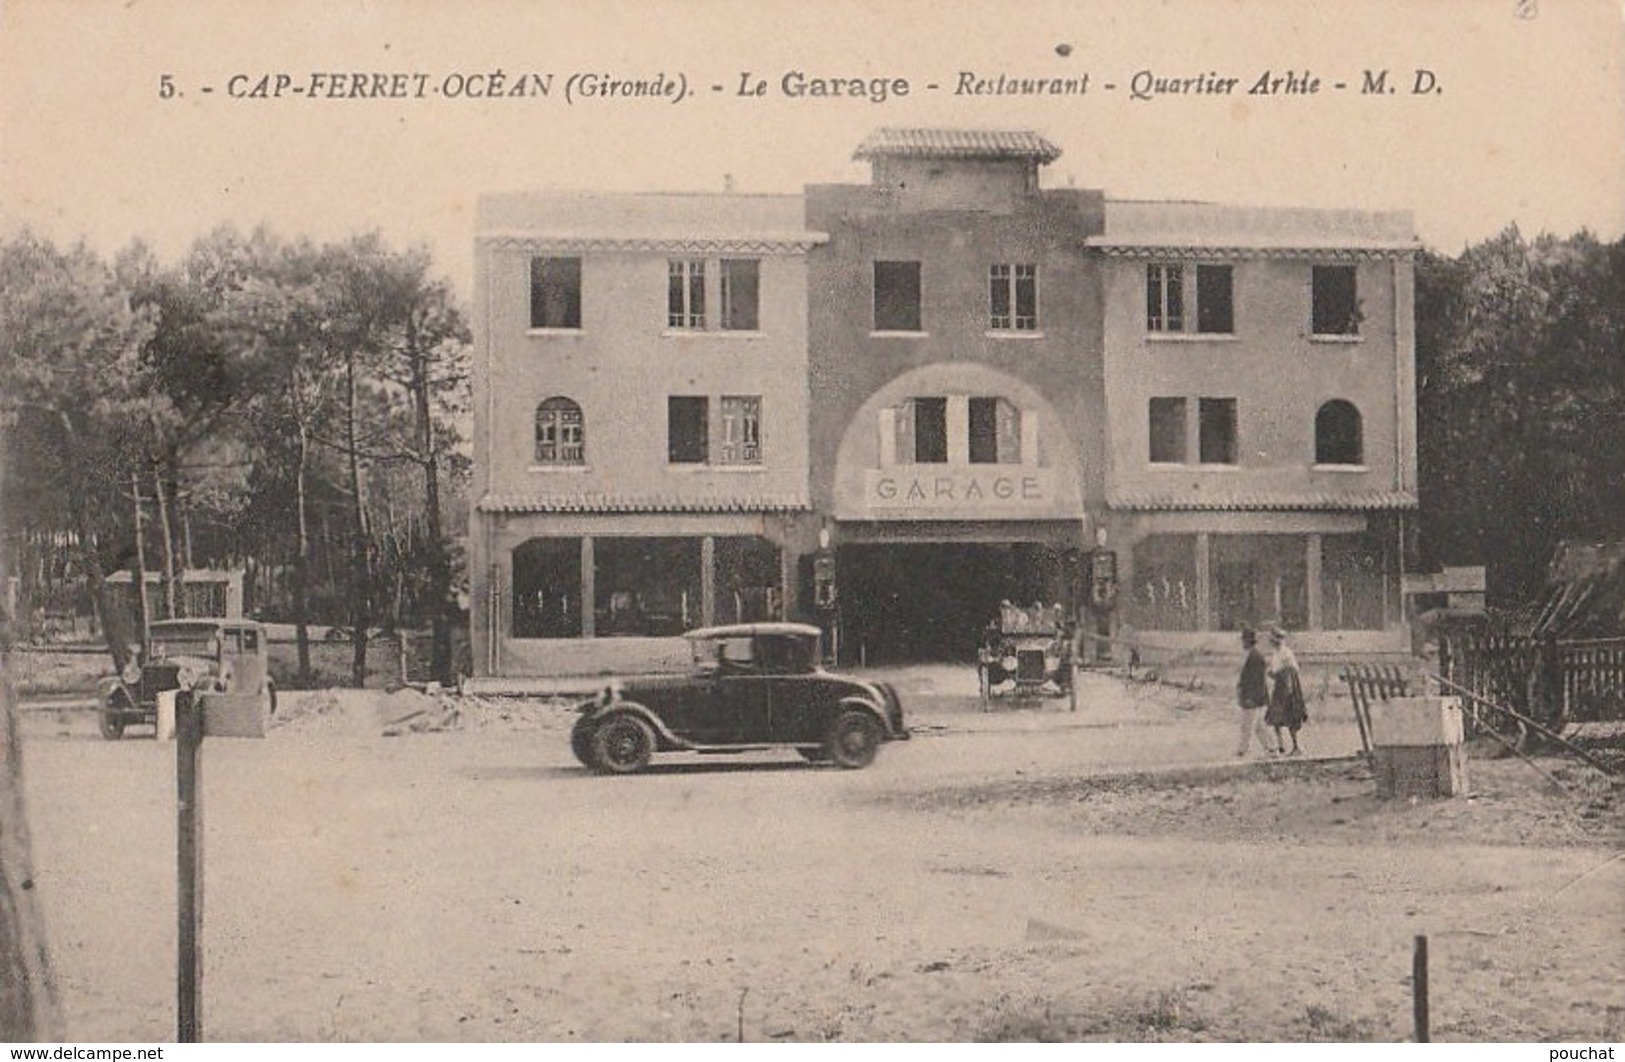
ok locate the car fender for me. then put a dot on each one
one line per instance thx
(114, 684)
(862, 704)
(633, 708)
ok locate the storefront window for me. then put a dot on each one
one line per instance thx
(646, 586)
(1354, 583)
(547, 588)
(1259, 579)
(747, 580)
(1162, 593)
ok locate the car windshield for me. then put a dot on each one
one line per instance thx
(189, 640)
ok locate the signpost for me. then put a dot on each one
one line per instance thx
(189, 866)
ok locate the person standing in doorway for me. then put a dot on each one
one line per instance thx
(1287, 709)
(1252, 693)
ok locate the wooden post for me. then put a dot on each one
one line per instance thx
(189, 867)
(1419, 988)
(141, 570)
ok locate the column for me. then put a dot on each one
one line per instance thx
(1204, 583)
(1029, 439)
(787, 580)
(888, 437)
(708, 581)
(1312, 577)
(958, 417)
(589, 590)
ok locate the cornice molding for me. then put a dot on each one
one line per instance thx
(755, 245)
(1207, 252)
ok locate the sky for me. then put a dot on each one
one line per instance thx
(133, 119)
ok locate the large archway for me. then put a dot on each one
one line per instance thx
(956, 487)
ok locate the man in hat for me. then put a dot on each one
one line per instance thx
(1252, 694)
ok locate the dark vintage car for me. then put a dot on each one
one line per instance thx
(223, 656)
(753, 686)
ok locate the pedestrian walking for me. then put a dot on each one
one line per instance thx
(1252, 694)
(1287, 709)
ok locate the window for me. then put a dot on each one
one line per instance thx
(1357, 590)
(1168, 431)
(555, 293)
(1259, 579)
(1216, 433)
(747, 577)
(547, 588)
(1013, 297)
(685, 293)
(1161, 596)
(687, 430)
(986, 430)
(559, 433)
(1336, 302)
(897, 296)
(741, 286)
(646, 587)
(741, 430)
(1166, 298)
(995, 432)
(1337, 434)
(1214, 313)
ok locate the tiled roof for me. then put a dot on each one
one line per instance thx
(1275, 502)
(1135, 224)
(639, 503)
(957, 144)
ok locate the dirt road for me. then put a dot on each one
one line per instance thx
(1026, 873)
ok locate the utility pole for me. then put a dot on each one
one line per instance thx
(141, 566)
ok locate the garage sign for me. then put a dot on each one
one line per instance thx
(1014, 490)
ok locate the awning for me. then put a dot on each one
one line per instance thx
(1280, 501)
(640, 503)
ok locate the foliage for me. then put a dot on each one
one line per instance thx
(262, 395)
(1521, 402)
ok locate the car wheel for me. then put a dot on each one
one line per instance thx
(853, 740)
(623, 745)
(111, 725)
(581, 743)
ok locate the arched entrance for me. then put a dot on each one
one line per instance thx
(956, 488)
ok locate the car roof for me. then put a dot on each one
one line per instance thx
(748, 630)
(204, 621)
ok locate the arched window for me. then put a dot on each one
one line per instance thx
(560, 433)
(1338, 438)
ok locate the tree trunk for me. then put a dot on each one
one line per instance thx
(161, 485)
(301, 561)
(143, 604)
(360, 570)
(441, 665)
(28, 1004)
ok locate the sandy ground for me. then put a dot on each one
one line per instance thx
(1026, 873)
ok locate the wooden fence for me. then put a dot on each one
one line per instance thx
(1564, 682)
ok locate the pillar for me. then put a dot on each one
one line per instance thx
(1204, 582)
(708, 581)
(1312, 577)
(589, 589)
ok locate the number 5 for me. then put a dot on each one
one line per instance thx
(166, 86)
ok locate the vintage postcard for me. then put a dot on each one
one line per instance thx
(814, 521)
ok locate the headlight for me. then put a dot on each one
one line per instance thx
(131, 673)
(1008, 663)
